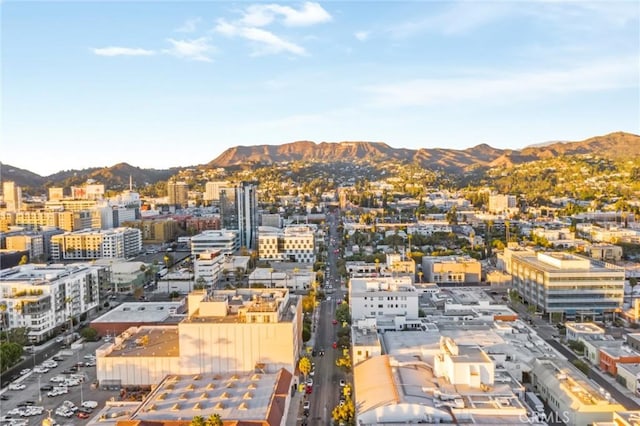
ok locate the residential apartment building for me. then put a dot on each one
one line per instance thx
(224, 240)
(247, 203)
(160, 230)
(178, 193)
(567, 284)
(225, 331)
(294, 243)
(12, 196)
(502, 203)
(95, 244)
(30, 242)
(212, 190)
(383, 298)
(45, 297)
(451, 270)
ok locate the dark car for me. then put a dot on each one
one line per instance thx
(46, 387)
(4, 397)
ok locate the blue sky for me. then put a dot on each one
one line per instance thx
(161, 84)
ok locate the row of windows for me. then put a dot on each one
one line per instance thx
(389, 306)
(386, 298)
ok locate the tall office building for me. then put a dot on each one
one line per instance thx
(178, 193)
(12, 195)
(247, 202)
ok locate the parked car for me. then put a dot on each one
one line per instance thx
(90, 404)
(46, 387)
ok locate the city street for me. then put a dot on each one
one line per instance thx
(326, 380)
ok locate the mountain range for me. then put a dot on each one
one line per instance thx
(615, 146)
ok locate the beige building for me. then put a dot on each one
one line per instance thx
(225, 331)
(178, 193)
(451, 270)
(155, 230)
(567, 391)
(294, 243)
(32, 243)
(12, 196)
(502, 203)
(95, 244)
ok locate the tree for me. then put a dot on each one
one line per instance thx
(344, 413)
(304, 365)
(89, 334)
(198, 421)
(24, 260)
(344, 361)
(214, 420)
(200, 283)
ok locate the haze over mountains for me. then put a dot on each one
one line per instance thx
(616, 146)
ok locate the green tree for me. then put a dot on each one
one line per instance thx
(89, 334)
(344, 361)
(24, 260)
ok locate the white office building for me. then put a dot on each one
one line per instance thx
(226, 241)
(383, 297)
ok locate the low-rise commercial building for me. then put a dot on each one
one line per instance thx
(569, 393)
(225, 331)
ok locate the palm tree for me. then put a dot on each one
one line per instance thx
(198, 421)
(214, 420)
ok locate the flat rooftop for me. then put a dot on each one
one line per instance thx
(148, 342)
(140, 312)
(584, 327)
(233, 396)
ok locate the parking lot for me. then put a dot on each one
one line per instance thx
(73, 382)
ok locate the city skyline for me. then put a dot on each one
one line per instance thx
(167, 84)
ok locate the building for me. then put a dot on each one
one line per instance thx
(225, 331)
(96, 244)
(502, 203)
(611, 357)
(446, 383)
(224, 240)
(178, 193)
(248, 399)
(385, 298)
(139, 314)
(12, 196)
(568, 285)
(56, 193)
(294, 243)
(605, 252)
(567, 391)
(273, 220)
(30, 242)
(208, 268)
(88, 191)
(629, 376)
(157, 230)
(578, 330)
(212, 190)
(451, 270)
(247, 203)
(45, 298)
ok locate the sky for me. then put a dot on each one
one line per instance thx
(163, 84)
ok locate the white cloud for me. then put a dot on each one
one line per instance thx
(266, 41)
(122, 51)
(189, 26)
(457, 18)
(197, 49)
(362, 35)
(260, 15)
(615, 73)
